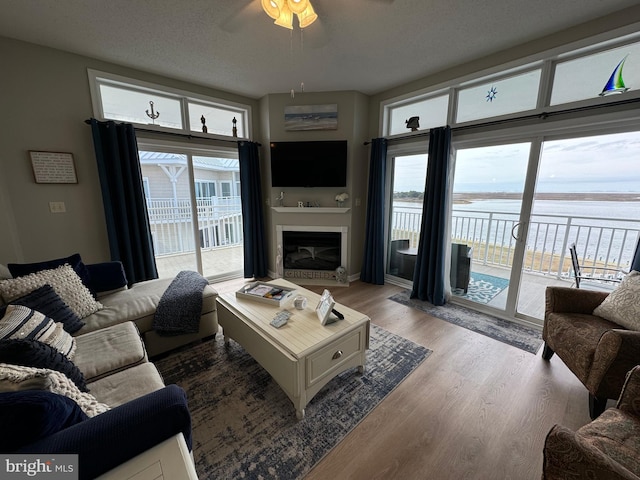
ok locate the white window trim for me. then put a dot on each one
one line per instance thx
(97, 77)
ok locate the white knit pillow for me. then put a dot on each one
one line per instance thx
(64, 280)
(23, 323)
(14, 378)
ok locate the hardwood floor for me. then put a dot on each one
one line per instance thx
(475, 409)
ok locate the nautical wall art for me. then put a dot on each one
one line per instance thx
(311, 117)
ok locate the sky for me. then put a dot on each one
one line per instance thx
(606, 163)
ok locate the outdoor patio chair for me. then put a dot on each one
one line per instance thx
(607, 281)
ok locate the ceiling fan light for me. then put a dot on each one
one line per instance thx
(298, 6)
(286, 17)
(307, 17)
(272, 7)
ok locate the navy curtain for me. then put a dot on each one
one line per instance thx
(255, 258)
(373, 262)
(123, 198)
(429, 274)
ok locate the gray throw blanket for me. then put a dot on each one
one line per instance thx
(180, 306)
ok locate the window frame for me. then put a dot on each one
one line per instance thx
(545, 61)
(242, 111)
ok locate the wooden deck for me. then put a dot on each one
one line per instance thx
(219, 263)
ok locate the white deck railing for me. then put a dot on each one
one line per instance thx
(600, 242)
(219, 224)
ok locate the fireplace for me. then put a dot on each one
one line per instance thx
(312, 253)
(311, 250)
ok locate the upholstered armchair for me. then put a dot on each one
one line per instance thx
(608, 448)
(598, 351)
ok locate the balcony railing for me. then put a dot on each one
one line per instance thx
(600, 242)
(219, 224)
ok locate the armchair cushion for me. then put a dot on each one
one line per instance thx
(617, 435)
(31, 415)
(605, 449)
(622, 305)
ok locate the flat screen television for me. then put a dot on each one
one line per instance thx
(309, 164)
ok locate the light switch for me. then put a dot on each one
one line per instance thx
(358, 202)
(57, 207)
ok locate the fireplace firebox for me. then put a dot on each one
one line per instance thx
(311, 250)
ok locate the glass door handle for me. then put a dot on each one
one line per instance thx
(516, 237)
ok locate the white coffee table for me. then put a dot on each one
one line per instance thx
(302, 356)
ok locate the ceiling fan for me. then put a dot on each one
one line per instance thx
(251, 10)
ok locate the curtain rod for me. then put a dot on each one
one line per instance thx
(181, 135)
(542, 116)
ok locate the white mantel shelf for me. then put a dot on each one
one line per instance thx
(311, 209)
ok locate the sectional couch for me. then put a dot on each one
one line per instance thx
(105, 400)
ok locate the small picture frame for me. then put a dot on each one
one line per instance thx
(324, 308)
(53, 167)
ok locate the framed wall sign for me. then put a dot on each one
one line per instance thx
(53, 167)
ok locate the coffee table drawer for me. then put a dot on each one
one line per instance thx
(333, 356)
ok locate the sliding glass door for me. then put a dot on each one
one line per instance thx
(517, 208)
(487, 223)
(408, 174)
(587, 194)
(193, 202)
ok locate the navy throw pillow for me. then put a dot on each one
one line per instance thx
(21, 269)
(46, 301)
(30, 415)
(32, 353)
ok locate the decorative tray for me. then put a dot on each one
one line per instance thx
(266, 293)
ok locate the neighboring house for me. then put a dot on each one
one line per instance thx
(167, 190)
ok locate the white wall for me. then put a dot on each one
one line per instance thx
(45, 100)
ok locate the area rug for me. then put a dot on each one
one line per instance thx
(511, 333)
(244, 426)
(483, 288)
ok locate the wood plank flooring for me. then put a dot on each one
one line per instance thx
(475, 409)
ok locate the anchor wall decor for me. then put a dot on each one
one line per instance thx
(153, 115)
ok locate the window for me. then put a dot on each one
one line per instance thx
(587, 76)
(226, 189)
(139, 107)
(432, 112)
(217, 120)
(205, 189)
(157, 107)
(591, 74)
(498, 97)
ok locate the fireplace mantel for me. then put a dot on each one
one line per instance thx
(311, 209)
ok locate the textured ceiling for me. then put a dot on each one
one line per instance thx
(363, 45)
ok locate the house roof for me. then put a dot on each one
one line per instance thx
(202, 163)
(363, 45)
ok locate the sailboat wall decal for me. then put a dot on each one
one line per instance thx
(615, 83)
